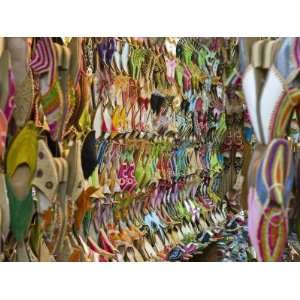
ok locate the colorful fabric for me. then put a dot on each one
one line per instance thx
(268, 201)
(282, 113)
(275, 174)
(272, 234)
(51, 103)
(44, 59)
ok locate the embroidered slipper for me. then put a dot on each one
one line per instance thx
(44, 62)
(268, 200)
(19, 49)
(46, 179)
(272, 234)
(79, 83)
(44, 65)
(80, 118)
(67, 86)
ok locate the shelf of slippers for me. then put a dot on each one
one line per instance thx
(114, 151)
(164, 185)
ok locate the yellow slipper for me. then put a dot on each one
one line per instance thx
(20, 167)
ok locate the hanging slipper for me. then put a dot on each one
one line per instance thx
(76, 178)
(44, 65)
(60, 226)
(45, 179)
(84, 203)
(63, 56)
(268, 216)
(80, 86)
(21, 166)
(89, 154)
(76, 60)
(276, 173)
(19, 48)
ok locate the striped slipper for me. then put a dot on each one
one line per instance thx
(44, 65)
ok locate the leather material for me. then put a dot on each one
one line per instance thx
(269, 103)
(250, 91)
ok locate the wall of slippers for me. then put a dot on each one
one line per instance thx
(118, 149)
